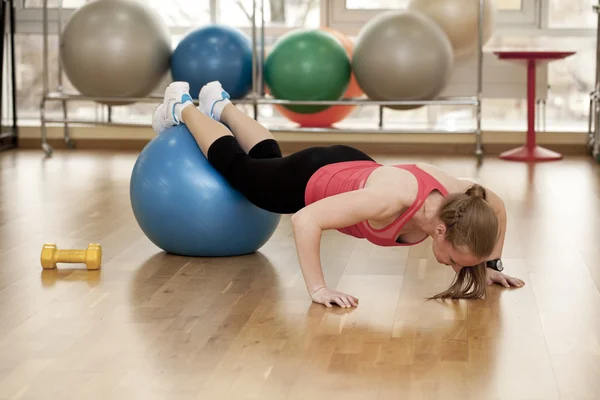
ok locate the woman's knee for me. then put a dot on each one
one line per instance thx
(224, 152)
(268, 148)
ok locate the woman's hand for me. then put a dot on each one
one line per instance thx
(327, 297)
(501, 279)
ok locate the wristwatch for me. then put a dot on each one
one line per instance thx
(495, 264)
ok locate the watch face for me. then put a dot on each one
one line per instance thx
(499, 265)
(495, 265)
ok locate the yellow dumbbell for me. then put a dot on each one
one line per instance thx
(91, 257)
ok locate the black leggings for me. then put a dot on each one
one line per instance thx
(270, 181)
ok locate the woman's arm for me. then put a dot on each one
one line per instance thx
(492, 275)
(498, 205)
(335, 212)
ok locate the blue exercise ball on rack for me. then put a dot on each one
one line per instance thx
(186, 207)
(214, 53)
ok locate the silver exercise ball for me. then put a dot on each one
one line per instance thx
(460, 20)
(115, 48)
(402, 55)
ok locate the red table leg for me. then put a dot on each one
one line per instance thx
(530, 151)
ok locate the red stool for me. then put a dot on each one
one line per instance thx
(531, 151)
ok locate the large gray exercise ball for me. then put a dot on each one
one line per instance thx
(402, 55)
(115, 48)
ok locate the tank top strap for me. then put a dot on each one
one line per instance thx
(429, 182)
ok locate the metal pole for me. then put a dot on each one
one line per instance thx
(478, 139)
(13, 63)
(590, 113)
(594, 133)
(596, 138)
(47, 148)
(66, 132)
(45, 78)
(261, 49)
(213, 11)
(254, 60)
(538, 112)
(3, 9)
(60, 80)
(544, 115)
(261, 88)
(380, 117)
(597, 10)
(458, 101)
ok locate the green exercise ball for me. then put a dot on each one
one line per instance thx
(307, 64)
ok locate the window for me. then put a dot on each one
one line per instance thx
(53, 3)
(516, 12)
(571, 14)
(185, 14)
(350, 15)
(180, 15)
(376, 4)
(570, 81)
(514, 5)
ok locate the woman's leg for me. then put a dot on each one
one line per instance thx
(215, 103)
(247, 130)
(206, 131)
(269, 181)
(259, 180)
(177, 107)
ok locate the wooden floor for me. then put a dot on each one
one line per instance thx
(154, 326)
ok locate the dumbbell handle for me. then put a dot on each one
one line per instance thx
(70, 256)
(91, 257)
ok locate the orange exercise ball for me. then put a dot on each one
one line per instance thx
(332, 114)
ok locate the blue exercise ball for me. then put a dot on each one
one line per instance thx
(214, 53)
(185, 207)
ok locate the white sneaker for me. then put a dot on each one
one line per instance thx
(213, 99)
(168, 113)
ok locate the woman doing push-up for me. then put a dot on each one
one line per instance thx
(339, 187)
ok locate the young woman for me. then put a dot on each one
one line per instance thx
(339, 187)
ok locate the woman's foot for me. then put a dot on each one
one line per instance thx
(212, 100)
(168, 113)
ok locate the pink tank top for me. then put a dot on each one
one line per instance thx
(352, 175)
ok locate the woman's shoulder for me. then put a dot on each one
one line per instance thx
(390, 177)
(449, 181)
(461, 185)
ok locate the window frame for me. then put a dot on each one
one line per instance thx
(528, 16)
(31, 21)
(531, 20)
(339, 17)
(545, 23)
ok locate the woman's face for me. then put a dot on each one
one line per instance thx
(457, 258)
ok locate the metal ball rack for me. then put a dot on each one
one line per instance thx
(594, 113)
(256, 98)
(8, 140)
